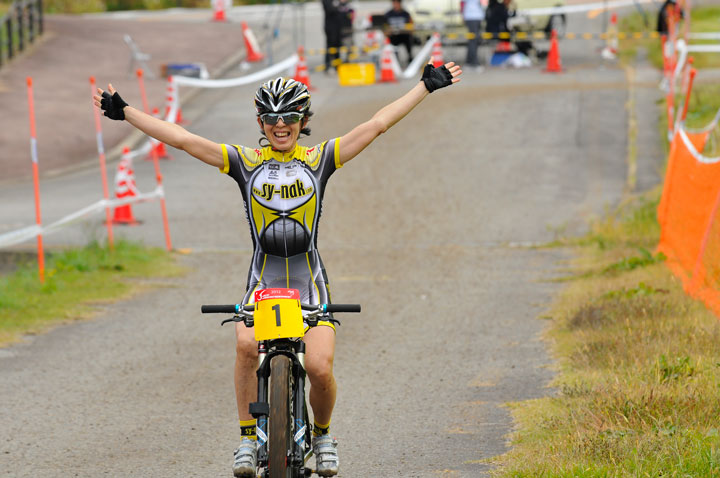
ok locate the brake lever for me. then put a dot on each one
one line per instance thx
(249, 322)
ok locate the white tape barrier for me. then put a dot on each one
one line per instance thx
(703, 48)
(683, 49)
(30, 232)
(698, 156)
(418, 61)
(704, 35)
(286, 64)
(713, 124)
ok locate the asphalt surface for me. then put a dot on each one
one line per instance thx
(429, 229)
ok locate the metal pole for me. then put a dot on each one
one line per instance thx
(21, 27)
(31, 22)
(9, 30)
(41, 27)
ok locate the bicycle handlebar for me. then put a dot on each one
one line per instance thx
(218, 309)
(235, 308)
(342, 308)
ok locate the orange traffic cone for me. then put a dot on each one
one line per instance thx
(554, 65)
(301, 70)
(171, 99)
(157, 147)
(251, 44)
(124, 188)
(219, 15)
(609, 52)
(503, 46)
(437, 52)
(387, 73)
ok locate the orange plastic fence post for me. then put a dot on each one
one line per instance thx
(36, 179)
(158, 175)
(101, 158)
(693, 72)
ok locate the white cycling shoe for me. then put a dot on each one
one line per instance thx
(326, 456)
(244, 465)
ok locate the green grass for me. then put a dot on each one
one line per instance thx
(637, 391)
(75, 282)
(703, 19)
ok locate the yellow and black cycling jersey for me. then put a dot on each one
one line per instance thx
(282, 195)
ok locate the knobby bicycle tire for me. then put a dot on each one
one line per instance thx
(280, 426)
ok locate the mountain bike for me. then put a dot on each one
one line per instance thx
(280, 321)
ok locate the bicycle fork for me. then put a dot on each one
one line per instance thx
(260, 410)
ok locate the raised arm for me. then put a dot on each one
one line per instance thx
(362, 135)
(169, 133)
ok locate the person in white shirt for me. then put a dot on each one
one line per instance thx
(473, 15)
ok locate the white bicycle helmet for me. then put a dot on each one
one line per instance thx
(282, 95)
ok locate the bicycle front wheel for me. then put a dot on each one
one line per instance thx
(280, 426)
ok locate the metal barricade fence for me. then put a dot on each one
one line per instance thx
(19, 27)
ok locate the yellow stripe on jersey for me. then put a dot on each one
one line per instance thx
(287, 271)
(312, 276)
(226, 161)
(336, 154)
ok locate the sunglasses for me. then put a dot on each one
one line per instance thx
(287, 118)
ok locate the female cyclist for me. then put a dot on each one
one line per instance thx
(282, 186)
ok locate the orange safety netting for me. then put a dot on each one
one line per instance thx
(689, 215)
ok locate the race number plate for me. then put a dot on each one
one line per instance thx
(278, 314)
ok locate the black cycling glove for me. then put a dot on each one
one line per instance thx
(113, 106)
(435, 78)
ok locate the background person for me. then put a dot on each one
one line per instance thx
(333, 32)
(282, 186)
(399, 27)
(664, 12)
(497, 15)
(347, 16)
(473, 15)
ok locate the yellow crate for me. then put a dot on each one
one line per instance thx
(356, 74)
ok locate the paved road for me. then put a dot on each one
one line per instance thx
(427, 229)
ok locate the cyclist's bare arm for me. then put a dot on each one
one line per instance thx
(362, 135)
(171, 134)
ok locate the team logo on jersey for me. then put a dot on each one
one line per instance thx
(286, 191)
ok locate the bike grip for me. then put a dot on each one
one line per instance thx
(343, 308)
(218, 309)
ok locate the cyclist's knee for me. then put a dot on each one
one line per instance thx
(320, 369)
(246, 346)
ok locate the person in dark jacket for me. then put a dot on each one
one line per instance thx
(662, 21)
(399, 24)
(496, 17)
(333, 32)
